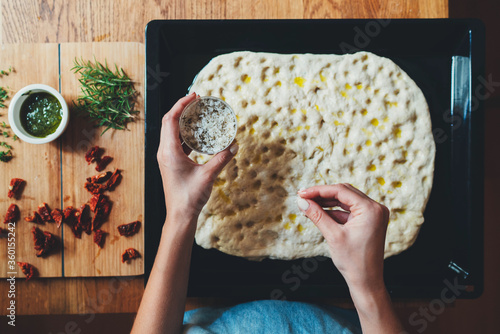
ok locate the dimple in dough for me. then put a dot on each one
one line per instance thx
(308, 120)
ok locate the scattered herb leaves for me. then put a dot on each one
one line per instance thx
(6, 72)
(108, 98)
(15, 137)
(3, 96)
(5, 156)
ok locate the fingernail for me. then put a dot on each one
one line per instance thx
(303, 204)
(234, 149)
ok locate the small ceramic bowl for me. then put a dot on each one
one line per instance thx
(15, 111)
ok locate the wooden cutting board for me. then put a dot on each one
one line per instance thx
(56, 172)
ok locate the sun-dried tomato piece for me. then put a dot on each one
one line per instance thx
(103, 162)
(115, 177)
(99, 237)
(71, 219)
(44, 212)
(101, 206)
(28, 270)
(36, 218)
(38, 237)
(44, 241)
(84, 221)
(129, 254)
(94, 188)
(99, 178)
(75, 227)
(48, 245)
(129, 229)
(100, 201)
(14, 186)
(68, 212)
(50, 241)
(98, 218)
(94, 200)
(93, 154)
(58, 216)
(106, 207)
(99, 183)
(77, 231)
(12, 214)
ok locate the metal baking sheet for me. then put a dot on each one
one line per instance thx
(445, 57)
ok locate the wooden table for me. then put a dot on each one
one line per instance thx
(37, 21)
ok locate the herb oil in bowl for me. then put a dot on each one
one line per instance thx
(41, 114)
(38, 114)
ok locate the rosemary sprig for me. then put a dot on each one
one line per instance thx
(108, 98)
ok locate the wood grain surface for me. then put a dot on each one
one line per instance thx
(41, 165)
(38, 165)
(38, 21)
(41, 21)
(81, 256)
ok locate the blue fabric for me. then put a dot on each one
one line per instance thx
(271, 316)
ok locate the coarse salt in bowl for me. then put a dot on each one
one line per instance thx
(208, 125)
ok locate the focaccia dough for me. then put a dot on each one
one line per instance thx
(307, 120)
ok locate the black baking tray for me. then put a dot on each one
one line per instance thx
(445, 57)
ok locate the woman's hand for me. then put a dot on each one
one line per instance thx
(356, 242)
(356, 237)
(187, 185)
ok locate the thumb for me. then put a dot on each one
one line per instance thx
(318, 216)
(215, 165)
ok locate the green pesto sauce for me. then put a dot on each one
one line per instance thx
(41, 114)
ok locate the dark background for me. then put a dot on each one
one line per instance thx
(423, 49)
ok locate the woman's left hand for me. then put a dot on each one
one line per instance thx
(187, 185)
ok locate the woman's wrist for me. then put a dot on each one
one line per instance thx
(180, 223)
(368, 297)
(181, 214)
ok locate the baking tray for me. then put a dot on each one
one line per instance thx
(445, 57)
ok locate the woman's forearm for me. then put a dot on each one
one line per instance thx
(163, 303)
(375, 310)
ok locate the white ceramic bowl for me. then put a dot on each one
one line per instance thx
(15, 111)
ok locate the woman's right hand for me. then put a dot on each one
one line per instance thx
(356, 237)
(356, 241)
